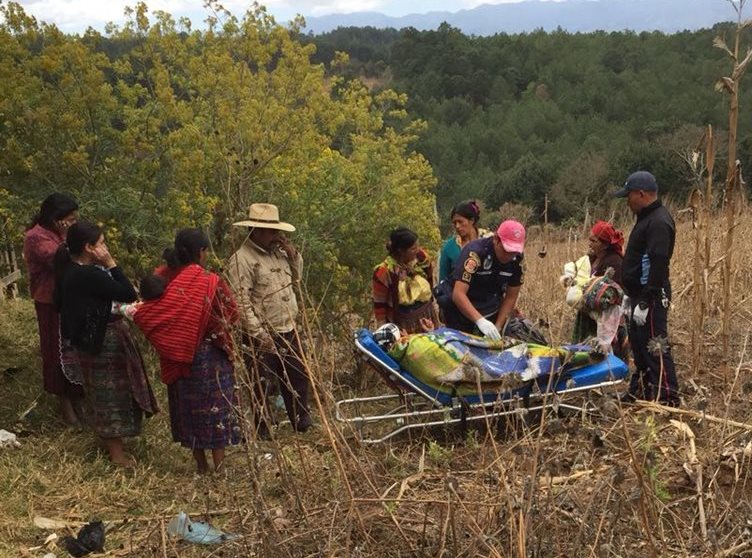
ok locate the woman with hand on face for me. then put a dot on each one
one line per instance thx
(465, 217)
(98, 351)
(41, 241)
(402, 283)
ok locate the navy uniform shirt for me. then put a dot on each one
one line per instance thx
(487, 278)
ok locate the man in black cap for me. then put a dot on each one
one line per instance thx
(646, 282)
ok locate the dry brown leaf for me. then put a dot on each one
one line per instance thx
(52, 524)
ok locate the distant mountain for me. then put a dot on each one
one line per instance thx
(668, 16)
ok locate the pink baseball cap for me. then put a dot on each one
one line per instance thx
(512, 236)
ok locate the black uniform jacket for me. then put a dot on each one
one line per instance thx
(646, 260)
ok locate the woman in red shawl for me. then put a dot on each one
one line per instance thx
(45, 235)
(189, 327)
(605, 250)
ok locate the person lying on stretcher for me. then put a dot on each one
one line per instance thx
(447, 356)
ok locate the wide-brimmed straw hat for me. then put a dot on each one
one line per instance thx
(264, 216)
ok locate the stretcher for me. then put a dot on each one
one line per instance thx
(415, 404)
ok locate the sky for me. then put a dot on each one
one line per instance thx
(75, 16)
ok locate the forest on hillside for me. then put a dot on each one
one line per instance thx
(156, 125)
(512, 118)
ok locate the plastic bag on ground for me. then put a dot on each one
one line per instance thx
(8, 440)
(197, 531)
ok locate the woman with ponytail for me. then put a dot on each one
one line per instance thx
(41, 241)
(97, 349)
(465, 217)
(189, 327)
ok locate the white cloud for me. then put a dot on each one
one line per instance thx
(288, 8)
(467, 4)
(77, 15)
(345, 6)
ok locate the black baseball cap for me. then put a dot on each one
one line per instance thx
(640, 180)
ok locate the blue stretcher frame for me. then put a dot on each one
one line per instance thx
(421, 405)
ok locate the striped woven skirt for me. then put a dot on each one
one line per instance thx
(204, 406)
(117, 393)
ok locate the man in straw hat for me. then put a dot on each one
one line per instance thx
(263, 273)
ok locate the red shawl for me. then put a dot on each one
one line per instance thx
(606, 232)
(176, 322)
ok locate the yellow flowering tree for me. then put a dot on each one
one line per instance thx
(156, 126)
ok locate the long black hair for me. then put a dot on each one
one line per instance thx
(467, 209)
(400, 239)
(53, 208)
(187, 249)
(79, 235)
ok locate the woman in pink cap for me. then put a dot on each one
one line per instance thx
(487, 281)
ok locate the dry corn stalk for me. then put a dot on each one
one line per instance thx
(730, 85)
(701, 206)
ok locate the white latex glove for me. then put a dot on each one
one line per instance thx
(640, 315)
(488, 329)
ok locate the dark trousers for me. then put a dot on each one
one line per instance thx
(282, 366)
(655, 375)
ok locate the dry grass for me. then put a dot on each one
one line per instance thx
(621, 483)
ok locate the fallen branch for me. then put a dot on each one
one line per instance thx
(52, 524)
(650, 406)
(733, 550)
(546, 481)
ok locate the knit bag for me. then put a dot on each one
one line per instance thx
(600, 294)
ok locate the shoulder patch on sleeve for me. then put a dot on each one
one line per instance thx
(472, 263)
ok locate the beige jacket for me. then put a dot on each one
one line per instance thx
(264, 284)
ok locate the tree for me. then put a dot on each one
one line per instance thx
(187, 128)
